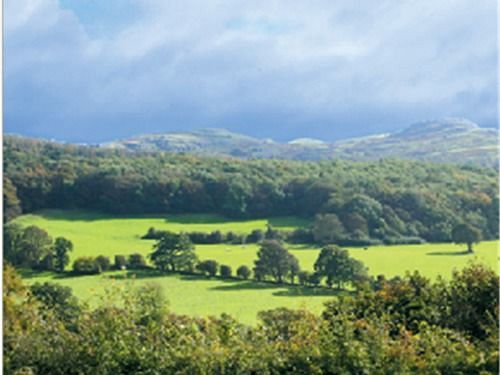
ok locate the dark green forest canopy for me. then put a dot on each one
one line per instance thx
(378, 199)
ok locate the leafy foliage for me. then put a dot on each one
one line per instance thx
(382, 200)
(173, 252)
(275, 261)
(401, 326)
(338, 267)
(86, 266)
(467, 234)
(62, 247)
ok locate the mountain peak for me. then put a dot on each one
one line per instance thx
(448, 125)
(455, 140)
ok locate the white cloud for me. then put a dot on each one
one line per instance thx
(198, 63)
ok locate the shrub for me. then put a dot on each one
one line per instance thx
(257, 235)
(120, 262)
(314, 279)
(225, 271)
(136, 261)
(208, 267)
(86, 266)
(243, 272)
(300, 235)
(303, 277)
(103, 262)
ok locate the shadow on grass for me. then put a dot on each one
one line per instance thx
(30, 274)
(449, 253)
(282, 290)
(198, 219)
(83, 215)
(236, 285)
(140, 274)
(310, 292)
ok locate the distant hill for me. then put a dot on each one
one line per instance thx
(448, 140)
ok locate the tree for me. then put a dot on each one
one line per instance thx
(294, 268)
(467, 234)
(86, 266)
(208, 267)
(243, 272)
(303, 277)
(136, 261)
(11, 202)
(173, 251)
(62, 247)
(120, 262)
(103, 262)
(33, 246)
(225, 271)
(274, 260)
(12, 234)
(314, 279)
(255, 236)
(58, 298)
(337, 266)
(272, 234)
(327, 228)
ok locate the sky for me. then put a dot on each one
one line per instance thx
(93, 70)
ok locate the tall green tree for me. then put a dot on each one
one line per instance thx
(62, 247)
(275, 261)
(173, 252)
(328, 228)
(29, 247)
(338, 267)
(466, 234)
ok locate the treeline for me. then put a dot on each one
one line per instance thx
(176, 253)
(386, 200)
(400, 326)
(300, 235)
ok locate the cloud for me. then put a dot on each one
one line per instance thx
(270, 68)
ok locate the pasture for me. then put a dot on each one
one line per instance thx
(94, 234)
(196, 295)
(97, 234)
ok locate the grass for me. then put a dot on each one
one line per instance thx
(199, 296)
(96, 234)
(430, 260)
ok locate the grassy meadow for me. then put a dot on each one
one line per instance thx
(194, 295)
(95, 234)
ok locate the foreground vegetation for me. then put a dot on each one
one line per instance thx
(398, 326)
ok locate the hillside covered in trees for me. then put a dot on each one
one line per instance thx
(380, 200)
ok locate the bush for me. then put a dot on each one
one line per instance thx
(103, 262)
(403, 240)
(314, 279)
(86, 266)
(136, 261)
(303, 277)
(120, 262)
(257, 235)
(225, 271)
(208, 267)
(300, 235)
(243, 272)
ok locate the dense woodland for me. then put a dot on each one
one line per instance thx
(387, 200)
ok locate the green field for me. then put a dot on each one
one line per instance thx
(198, 296)
(94, 234)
